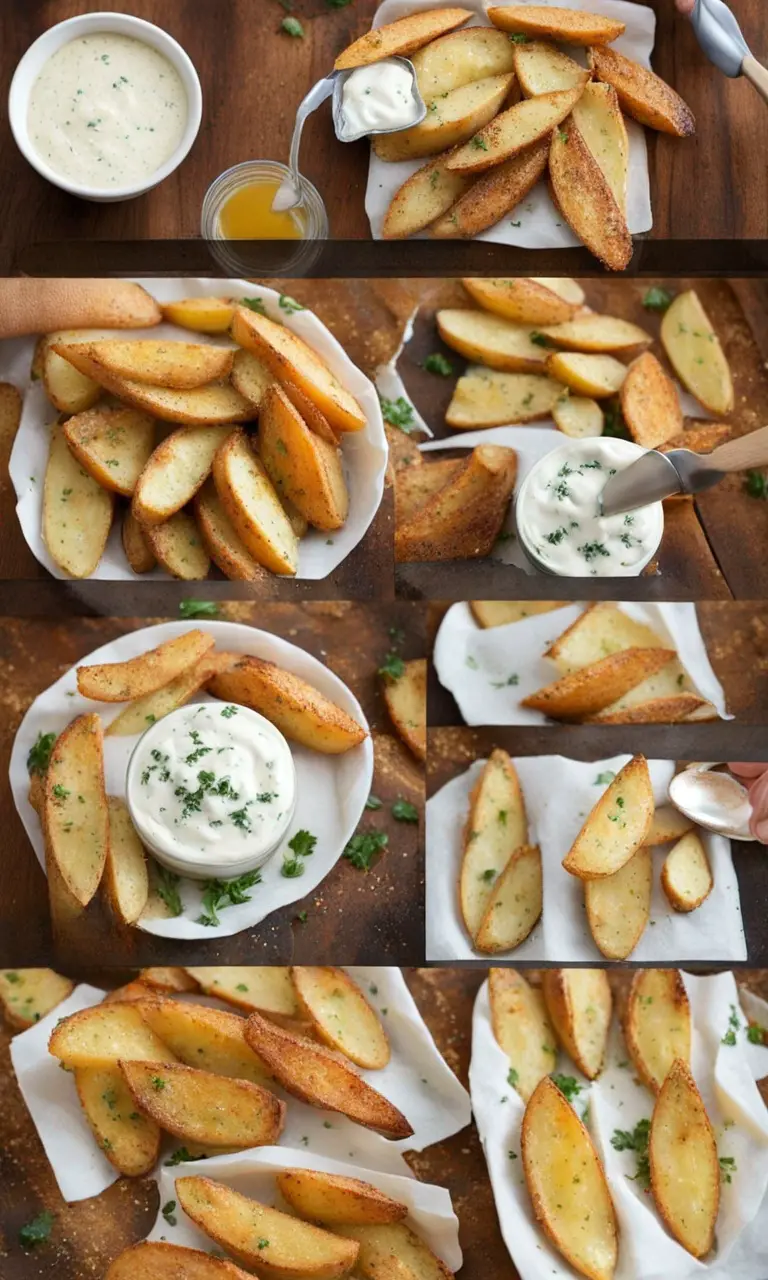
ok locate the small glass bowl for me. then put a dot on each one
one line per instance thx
(311, 217)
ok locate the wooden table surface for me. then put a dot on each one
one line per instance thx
(352, 916)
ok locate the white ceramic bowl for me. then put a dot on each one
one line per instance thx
(87, 24)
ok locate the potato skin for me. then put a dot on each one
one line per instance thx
(465, 518)
(75, 815)
(493, 195)
(330, 1199)
(158, 1260)
(679, 1105)
(402, 37)
(569, 25)
(77, 511)
(642, 94)
(650, 403)
(303, 467)
(583, 196)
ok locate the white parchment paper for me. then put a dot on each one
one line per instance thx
(474, 663)
(364, 453)
(616, 1100)
(332, 790)
(559, 794)
(417, 1080)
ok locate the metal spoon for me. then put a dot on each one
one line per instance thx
(718, 803)
(719, 35)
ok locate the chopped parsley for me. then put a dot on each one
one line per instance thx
(591, 550)
(289, 305)
(512, 1076)
(218, 894)
(756, 484)
(727, 1167)
(517, 37)
(181, 1156)
(37, 1231)
(229, 712)
(568, 1085)
(393, 667)
(613, 420)
(657, 299)
(301, 846)
(40, 754)
(373, 802)
(603, 779)
(61, 792)
(439, 364)
(398, 413)
(254, 304)
(636, 1140)
(363, 847)
(169, 1210)
(504, 684)
(540, 339)
(198, 609)
(756, 1034)
(733, 1026)
(167, 889)
(404, 811)
(479, 143)
(292, 27)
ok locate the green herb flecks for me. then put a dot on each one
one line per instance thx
(363, 847)
(636, 1140)
(657, 299)
(439, 364)
(218, 894)
(404, 811)
(40, 754)
(37, 1231)
(198, 609)
(398, 413)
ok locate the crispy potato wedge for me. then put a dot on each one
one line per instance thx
(429, 192)
(176, 470)
(36, 793)
(103, 1034)
(77, 511)
(515, 904)
(579, 1003)
(266, 989)
(126, 880)
(317, 1075)
(415, 486)
(566, 288)
(124, 681)
(449, 122)
(619, 906)
(220, 539)
(138, 552)
(674, 709)
(498, 613)
(75, 815)
(524, 301)
(168, 978)
(303, 467)
(161, 363)
(199, 1036)
(203, 315)
(490, 398)
(394, 1252)
(650, 403)
(597, 116)
(496, 342)
(667, 826)
(308, 410)
(685, 1173)
(686, 876)
(251, 503)
(540, 68)
(178, 547)
(153, 706)
(290, 359)
(617, 825)
(602, 629)
(114, 445)
(522, 1028)
(215, 1110)
(300, 711)
(588, 690)
(460, 57)
(158, 1260)
(340, 1015)
(398, 39)
(406, 701)
(513, 130)
(578, 416)
(563, 1174)
(657, 1024)
(695, 353)
(465, 518)
(289, 1247)
(496, 826)
(329, 1199)
(643, 95)
(27, 995)
(68, 390)
(595, 333)
(598, 377)
(250, 377)
(572, 26)
(583, 195)
(129, 1140)
(701, 438)
(493, 195)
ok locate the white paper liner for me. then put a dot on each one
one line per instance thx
(390, 385)
(618, 1101)
(473, 663)
(332, 789)
(417, 1080)
(364, 453)
(559, 794)
(539, 225)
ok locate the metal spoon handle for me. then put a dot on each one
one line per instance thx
(747, 451)
(757, 75)
(317, 94)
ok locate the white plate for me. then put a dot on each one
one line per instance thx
(332, 790)
(364, 453)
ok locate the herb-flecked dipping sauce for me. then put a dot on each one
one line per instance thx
(212, 783)
(558, 514)
(106, 111)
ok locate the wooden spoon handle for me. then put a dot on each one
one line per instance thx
(757, 75)
(738, 455)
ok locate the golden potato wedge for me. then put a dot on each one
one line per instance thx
(416, 485)
(41, 305)
(563, 1174)
(650, 403)
(126, 880)
(598, 377)
(68, 390)
(657, 1024)
(161, 363)
(75, 815)
(340, 1014)
(266, 989)
(77, 511)
(583, 195)
(541, 68)
(114, 445)
(515, 904)
(497, 342)
(521, 1028)
(686, 876)
(566, 288)
(586, 691)
(103, 1034)
(36, 793)
(158, 1260)
(250, 377)
(428, 193)
(572, 26)
(489, 398)
(701, 438)
(667, 826)
(199, 1036)
(129, 1140)
(290, 359)
(394, 1252)
(251, 503)
(642, 94)
(685, 1172)
(619, 906)
(595, 333)
(308, 410)
(602, 629)
(330, 1199)
(460, 57)
(153, 706)
(597, 116)
(220, 539)
(448, 123)
(138, 552)
(317, 1075)
(398, 39)
(406, 700)
(203, 315)
(513, 130)
(27, 995)
(579, 1003)
(493, 195)
(175, 471)
(498, 613)
(675, 709)
(170, 978)
(303, 467)
(198, 1106)
(578, 416)
(524, 301)
(617, 825)
(300, 711)
(695, 353)
(465, 518)
(124, 681)
(496, 826)
(178, 547)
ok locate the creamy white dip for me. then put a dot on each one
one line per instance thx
(212, 784)
(559, 520)
(106, 111)
(380, 96)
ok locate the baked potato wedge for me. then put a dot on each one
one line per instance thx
(266, 989)
(498, 613)
(161, 363)
(220, 539)
(584, 197)
(330, 1199)
(596, 334)
(587, 690)
(167, 978)
(598, 118)
(685, 1173)
(617, 825)
(522, 1029)
(657, 1024)
(103, 1034)
(490, 398)
(601, 630)
(448, 123)
(129, 1139)
(126, 881)
(523, 301)
(114, 445)
(138, 552)
(415, 486)
(68, 390)
(398, 39)
(580, 1004)
(312, 416)
(686, 876)
(513, 130)
(597, 377)
(77, 511)
(667, 825)
(176, 470)
(642, 94)
(650, 403)
(178, 547)
(490, 339)
(27, 995)
(515, 903)
(677, 708)
(304, 468)
(694, 351)
(700, 438)
(199, 1106)
(252, 505)
(199, 1036)
(340, 1015)
(460, 57)
(124, 681)
(75, 814)
(250, 377)
(153, 706)
(158, 1260)
(619, 906)
(493, 195)
(429, 192)
(541, 68)
(571, 26)
(496, 826)
(563, 1174)
(578, 416)
(465, 518)
(393, 1250)
(202, 315)
(406, 700)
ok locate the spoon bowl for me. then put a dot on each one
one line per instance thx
(713, 800)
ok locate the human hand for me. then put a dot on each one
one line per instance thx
(685, 6)
(754, 776)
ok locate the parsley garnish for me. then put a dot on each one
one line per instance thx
(756, 484)
(363, 847)
(603, 779)
(40, 754)
(166, 887)
(568, 1086)
(613, 420)
(198, 609)
(168, 1213)
(398, 413)
(292, 27)
(37, 1231)
(393, 667)
(591, 550)
(733, 1026)
(181, 1156)
(517, 37)
(727, 1167)
(218, 894)
(657, 299)
(289, 305)
(373, 802)
(637, 1141)
(540, 339)
(756, 1034)
(439, 364)
(254, 304)
(404, 811)
(479, 143)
